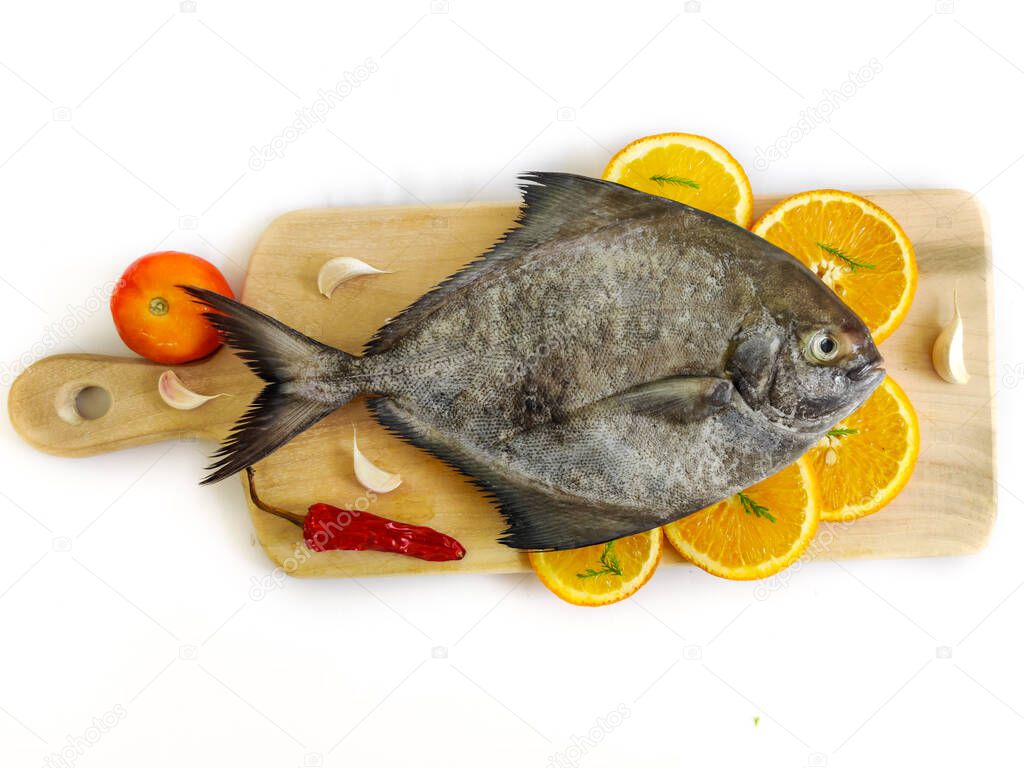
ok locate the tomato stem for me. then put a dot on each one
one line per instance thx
(158, 306)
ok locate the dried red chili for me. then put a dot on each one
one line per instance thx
(326, 527)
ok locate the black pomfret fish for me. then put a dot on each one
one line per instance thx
(615, 362)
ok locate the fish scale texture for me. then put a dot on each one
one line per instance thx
(517, 373)
(615, 362)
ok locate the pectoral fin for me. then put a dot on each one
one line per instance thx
(680, 398)
(752, 367)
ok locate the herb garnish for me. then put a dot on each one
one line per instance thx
(851, 263)
(751, 507)
(679, 180)
(842, 432)
(609, 564)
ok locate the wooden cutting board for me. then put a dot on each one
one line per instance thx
(948, 507)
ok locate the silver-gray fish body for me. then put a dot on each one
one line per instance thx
(617, 362)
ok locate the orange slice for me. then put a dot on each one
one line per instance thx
(864, 462)
(687, 168)
(755, 533)
(601, 574)
(855, 247)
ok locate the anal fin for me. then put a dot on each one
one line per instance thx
(539, 517)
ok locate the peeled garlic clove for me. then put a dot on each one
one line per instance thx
(342, 269)
(177, 395)
(369, 475)
(948, 350)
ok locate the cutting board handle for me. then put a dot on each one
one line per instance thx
(46, 409)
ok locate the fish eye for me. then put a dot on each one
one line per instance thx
(823, 347)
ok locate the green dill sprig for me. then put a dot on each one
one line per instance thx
(751, 507)
(842, 432)
(609, 564)
(852, 264)
(678, 180)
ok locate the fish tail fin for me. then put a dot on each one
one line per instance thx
(306, 380)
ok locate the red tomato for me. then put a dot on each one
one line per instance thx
(160, 321)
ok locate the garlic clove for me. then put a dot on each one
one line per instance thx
(177, 395)
(342, 269)
(369, 475)
(948, 349)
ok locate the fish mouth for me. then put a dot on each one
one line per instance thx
(869, 371)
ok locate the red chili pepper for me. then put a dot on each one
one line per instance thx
(327, 527)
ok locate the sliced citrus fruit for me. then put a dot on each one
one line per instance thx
(687, 168)
(855, 247)
(755, 533)
(603, 573)
(868, 458)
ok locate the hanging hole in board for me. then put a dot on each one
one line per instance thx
(78, 404)
(92, 403)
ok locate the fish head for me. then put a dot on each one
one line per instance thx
(808, 360)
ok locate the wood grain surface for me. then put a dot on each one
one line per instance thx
(947, 508)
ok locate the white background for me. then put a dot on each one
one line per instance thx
(129, 126)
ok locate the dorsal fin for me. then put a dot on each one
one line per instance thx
(555, 205)
(567, 205)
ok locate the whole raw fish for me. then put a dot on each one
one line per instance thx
(615, 362)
